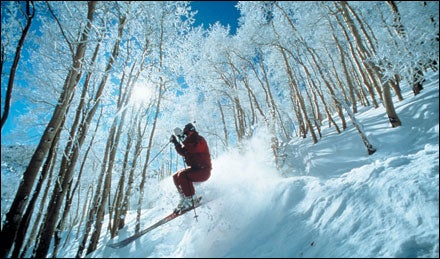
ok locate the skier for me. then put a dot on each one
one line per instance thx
(196, 154)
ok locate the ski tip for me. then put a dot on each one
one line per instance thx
(114, 246)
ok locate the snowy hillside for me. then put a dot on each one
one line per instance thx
(344, 204)
(336, 200)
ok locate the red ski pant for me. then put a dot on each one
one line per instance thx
(184, 179)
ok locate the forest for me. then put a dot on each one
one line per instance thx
(104, 83)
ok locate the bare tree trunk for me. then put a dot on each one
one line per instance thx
(102, 193)
(81, 170)
(297, 111)
(238, 112)
(225, 130)
(113, 144)
(417, 78)
(346, 74)
(98, 200)
(337, 95)
(61, 222)
(395, 84)
(114, 137)
(388, 103)
(275, 112)
(86, 207)
(71, 191)
(314, 109)
(298, 95)
(14, 215)
(362, 74)
(36, 225)
(253, 99)
(389, 107)
(162, 88)
(144, 169)
(72, 153)
(317, 109)
(24, 224)
(127, 195)
(330, 89)
(30, 15)
(240, 118)
(78, 133)
(359, 91)
(359, 128)
(92, 211)
(119, 194)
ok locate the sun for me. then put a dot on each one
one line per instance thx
(141, 94)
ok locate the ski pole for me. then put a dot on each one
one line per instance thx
(194, 208)
(192, 197)
(161, 150)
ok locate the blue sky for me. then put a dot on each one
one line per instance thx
(212, 11)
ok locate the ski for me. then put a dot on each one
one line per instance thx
(166, 219)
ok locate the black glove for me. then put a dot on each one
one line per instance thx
(173, 140)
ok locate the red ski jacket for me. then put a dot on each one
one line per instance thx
(195, 151)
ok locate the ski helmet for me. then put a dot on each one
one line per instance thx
(189, 127)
